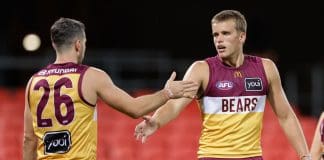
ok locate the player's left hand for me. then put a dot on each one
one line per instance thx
(145, 128)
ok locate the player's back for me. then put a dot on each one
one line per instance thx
(64, 122)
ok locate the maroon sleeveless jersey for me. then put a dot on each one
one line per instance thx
(232, 109)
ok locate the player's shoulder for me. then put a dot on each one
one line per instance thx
(200, 63)
(96, 73)
(268, 63)
(95, 69)
(322, 116)
(199, 67)
(270, 69)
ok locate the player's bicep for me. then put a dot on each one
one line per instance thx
(112, 94)
(198, 72)
(276, 94)
(316, 147)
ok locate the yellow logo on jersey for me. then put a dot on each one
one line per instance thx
(237, 74)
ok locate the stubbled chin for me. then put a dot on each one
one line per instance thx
(222, 54)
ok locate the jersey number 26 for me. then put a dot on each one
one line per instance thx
(58, 100)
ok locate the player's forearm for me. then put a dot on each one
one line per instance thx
(29, 148)
(316, 148)
(165, 114)
(316, 156)
(148, 103)
(294, 133)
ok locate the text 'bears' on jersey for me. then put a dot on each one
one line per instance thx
(230, 105)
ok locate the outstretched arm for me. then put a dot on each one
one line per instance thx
(199, 73)
(284, 112)
(317, 146)
(137, 107)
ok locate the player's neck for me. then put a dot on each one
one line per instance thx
(234, 61)
(65, 58)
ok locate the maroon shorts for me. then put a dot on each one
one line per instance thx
(250, 158)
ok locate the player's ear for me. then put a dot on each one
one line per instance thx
(54, 46)
(77, 45)
(242, 37)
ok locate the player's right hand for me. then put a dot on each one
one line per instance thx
(178, 89)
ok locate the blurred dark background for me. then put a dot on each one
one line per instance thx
(139, 43)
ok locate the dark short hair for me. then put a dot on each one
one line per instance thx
(238, 18)
(65, 30)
